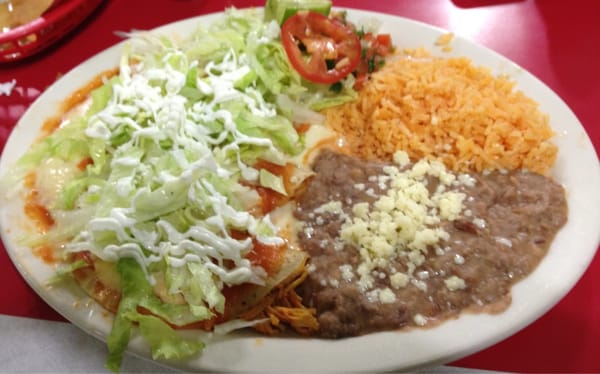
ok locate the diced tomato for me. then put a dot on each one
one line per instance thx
(269, 257)
(82, 165)
(238, 235)
(374, 50)
(302, 128)
(385, 42)
(270, 199)
(321, 49)
(361, 79)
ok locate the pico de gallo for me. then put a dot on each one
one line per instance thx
(327, 49)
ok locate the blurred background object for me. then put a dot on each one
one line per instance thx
(29, 26)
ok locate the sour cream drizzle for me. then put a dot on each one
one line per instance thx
(148, 104)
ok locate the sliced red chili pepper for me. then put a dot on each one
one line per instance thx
(321, 49)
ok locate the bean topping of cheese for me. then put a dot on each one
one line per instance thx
(396, 245)
(402, 221)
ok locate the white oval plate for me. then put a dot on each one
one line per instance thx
(577, 168)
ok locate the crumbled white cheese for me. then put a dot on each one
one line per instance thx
(373, 295)
(402, 220)
(365, 281)
(479, 222)
(423, 275)
(387, 296)
(454, 283)
(401, 158)
(458, 259)
(361, 210)
(419, 320)
(309, 231)
(347, 273)
(399, 280)
(439, 250)
(385, 203)
(504, 241)
(419, 284)
(466, 180)
(450, 204)
(334, 207)
(416, 257)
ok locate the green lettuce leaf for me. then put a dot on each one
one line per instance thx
(272, 181)
(137, 292)
(64, 272)
(164, 341)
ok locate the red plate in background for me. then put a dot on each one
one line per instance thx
(33, 37)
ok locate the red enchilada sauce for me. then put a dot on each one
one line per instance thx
(33, 207)
(75, 99)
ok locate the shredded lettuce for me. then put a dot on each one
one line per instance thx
(272, 181)
(163, 340)
(202, 288)
(137, 292)
(64, 272)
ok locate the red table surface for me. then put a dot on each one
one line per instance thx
(556, 40)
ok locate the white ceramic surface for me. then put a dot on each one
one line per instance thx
(577, 168)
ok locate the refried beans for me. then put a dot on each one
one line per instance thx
(504, 227)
